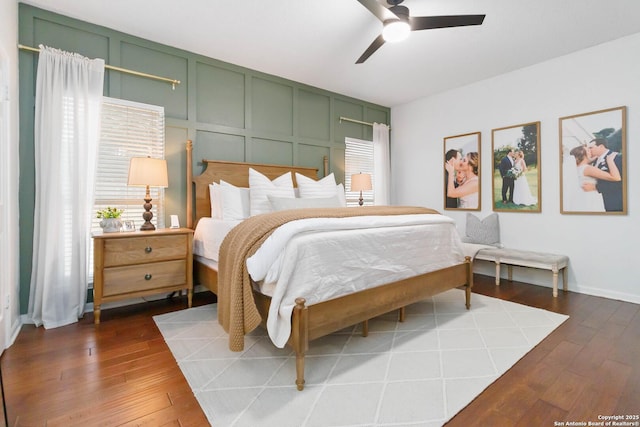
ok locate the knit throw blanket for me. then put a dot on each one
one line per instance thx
(237, 311)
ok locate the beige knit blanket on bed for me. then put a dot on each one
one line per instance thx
(237, 312)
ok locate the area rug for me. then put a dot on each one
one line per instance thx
(420, 372)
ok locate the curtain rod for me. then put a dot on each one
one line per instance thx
(173, 82)
(360, 122)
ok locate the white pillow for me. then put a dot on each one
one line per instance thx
(261, 187)
(215, 195)
(235, 202)
(342, 198)
(310, 188)
(284, 203)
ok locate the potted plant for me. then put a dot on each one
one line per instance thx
(110, 219)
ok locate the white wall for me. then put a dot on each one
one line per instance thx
(602, 248)
(9, 283)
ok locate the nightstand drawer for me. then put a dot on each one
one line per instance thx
(137, 250)
(135, 278)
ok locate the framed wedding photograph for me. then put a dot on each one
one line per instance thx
(593, 162)
(462, 172)
(516, 168)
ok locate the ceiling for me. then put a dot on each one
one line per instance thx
(317, 42)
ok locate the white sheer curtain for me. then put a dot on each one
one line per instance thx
(381, 164)
(67, 129)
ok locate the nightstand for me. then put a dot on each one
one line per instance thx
(138, 263)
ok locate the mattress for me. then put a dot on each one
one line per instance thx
(208, 237)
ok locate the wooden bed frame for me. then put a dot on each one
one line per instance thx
(317, 320)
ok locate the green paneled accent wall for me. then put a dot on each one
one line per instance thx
(313, 155)
(216, 83)
(73, 39)
(219, 146)
(271, 151)
(314, 115)
(154, 61)
(353, 110)
(176, 157)
(271, 106)
(230, 112)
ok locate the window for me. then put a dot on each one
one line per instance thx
(358, 158)
(129, 129)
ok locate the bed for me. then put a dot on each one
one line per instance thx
(310, 321)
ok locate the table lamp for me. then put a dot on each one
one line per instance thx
(361, 182)
(146, 172)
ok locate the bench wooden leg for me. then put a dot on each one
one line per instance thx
(555, 282)
(497, 274)
(365, 328)
(510, 272)
(564, 280)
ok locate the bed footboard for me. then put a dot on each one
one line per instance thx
(318, 320)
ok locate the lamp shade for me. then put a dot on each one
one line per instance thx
(145, 171)
(361, 182)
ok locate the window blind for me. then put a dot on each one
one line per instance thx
(358, 158)
(129, 129)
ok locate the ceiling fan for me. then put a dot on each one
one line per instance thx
(397, 23)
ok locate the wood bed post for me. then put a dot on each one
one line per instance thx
(189, 184)
(469, 284)
(325, 165)
(300, 338)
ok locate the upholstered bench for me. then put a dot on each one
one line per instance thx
(511, 257)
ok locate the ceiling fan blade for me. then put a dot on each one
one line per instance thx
(380, 12)
(432, 22)
(379, 41)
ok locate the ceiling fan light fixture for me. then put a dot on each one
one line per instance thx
(395, 30)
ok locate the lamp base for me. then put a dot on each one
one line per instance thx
(360, 200)
(147, 226)
(147, 215)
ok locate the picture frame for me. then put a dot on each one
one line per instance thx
(516, 168)
(591, 183)
(462, 155)
(128, 225)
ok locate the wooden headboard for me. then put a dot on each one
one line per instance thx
(236, 173)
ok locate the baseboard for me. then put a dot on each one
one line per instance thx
(604, 293)
(15, 330)
(543, 278)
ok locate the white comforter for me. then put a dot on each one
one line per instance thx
(324, 258)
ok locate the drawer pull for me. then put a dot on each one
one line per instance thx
(148, 249)
(147, 276)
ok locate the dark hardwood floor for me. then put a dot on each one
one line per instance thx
(589, 366)
(121, 373)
